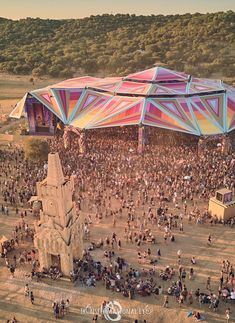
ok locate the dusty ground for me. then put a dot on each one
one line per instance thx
(7, 105)
(191, 242)
(13, 88)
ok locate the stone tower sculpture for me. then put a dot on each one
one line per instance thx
(58, 233)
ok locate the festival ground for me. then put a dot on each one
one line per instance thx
(13, 87)
(192, 242)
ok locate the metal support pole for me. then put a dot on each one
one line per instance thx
(141, 139)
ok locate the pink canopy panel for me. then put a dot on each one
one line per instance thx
(158, 74)
(157, 97)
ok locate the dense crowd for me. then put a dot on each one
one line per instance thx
(169, 171)
(112, 167)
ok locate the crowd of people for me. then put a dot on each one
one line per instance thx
(114, 181)
(60, 309)
(113, 168)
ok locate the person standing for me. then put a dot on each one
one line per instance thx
(26, 290)
(6, 211)
(181, 227)
(31, 296)
(119, 244)
(190, 297)
(221, 280)
(209, 240)
(181, 299)
(67, 304)
(166, 301)
(57, 311)
(12, 270)
(227, 314)
(165, 237)
(103, 306)
(208, 283)
(159, 253)
(62, 308)
(6, 261)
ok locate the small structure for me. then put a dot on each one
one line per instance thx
(222, 205)
(58, 236)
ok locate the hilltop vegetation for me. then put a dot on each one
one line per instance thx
(199, 44)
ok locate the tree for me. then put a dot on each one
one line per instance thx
(112, 44)
(36, 149)
(39, 71)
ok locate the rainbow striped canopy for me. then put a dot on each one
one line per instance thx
(157, 97)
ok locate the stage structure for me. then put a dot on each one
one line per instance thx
(58, 234)
(222, 205)
(156, 97)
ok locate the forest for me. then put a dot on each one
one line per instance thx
(110, 45)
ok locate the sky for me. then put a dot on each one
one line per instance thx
(64, 9)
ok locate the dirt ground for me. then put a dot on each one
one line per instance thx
(193, 242)
(13, 88)
(7, 105)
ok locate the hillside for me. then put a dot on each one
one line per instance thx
(200, 44)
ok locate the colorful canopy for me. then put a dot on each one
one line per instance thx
(156, 97)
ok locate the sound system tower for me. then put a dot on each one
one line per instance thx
(222, 205)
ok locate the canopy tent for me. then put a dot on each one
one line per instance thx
(19, 108)
(157, 97)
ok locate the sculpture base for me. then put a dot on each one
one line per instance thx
(221, 211)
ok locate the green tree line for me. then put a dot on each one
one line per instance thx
(109, 45)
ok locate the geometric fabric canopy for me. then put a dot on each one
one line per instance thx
(157, 97)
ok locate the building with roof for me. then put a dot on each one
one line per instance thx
(156, 97)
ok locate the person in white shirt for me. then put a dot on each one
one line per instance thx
(232, 295)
